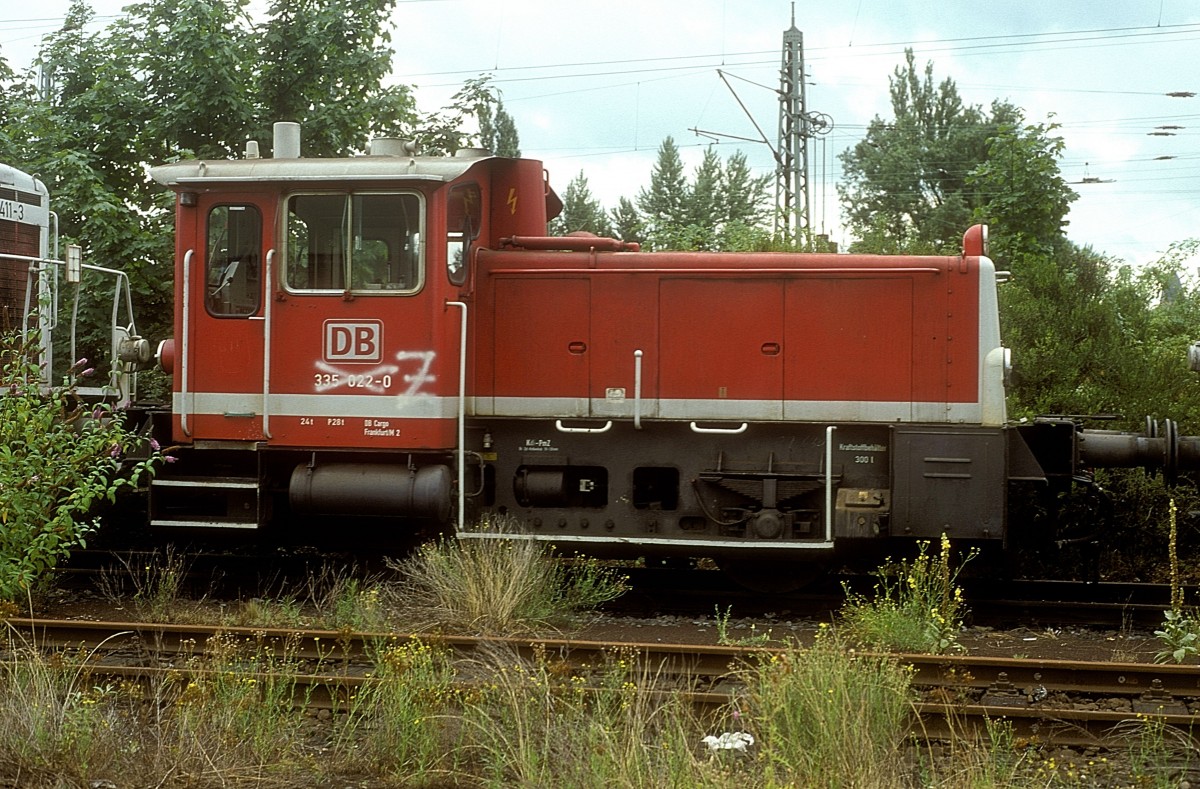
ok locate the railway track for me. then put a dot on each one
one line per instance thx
(1063, 702)
(679, 590)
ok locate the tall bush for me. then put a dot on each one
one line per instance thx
(59, 459)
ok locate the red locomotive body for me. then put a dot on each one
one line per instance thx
(726, 403)
(394, 336)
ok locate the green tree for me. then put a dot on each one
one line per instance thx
(1020, 191)
(665, 204)
(745, 195)
(7, 95)
(745, 213)
(447, 130)
(1091, 336)
(627, 221)
(905, 183)
(1056, 316)
(581, 211)
(706, 205)
(498, 130)
(721, 207)
(322, 63)
(196, 59)
(88, 140)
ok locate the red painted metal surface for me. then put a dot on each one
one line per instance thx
(722, 327)
(343, 370)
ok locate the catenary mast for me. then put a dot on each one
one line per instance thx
(793, 194)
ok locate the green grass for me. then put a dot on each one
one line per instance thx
(542, 724)
(499, 587)
(233, 715)
(827, 717)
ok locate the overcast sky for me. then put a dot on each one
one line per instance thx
(596, 85)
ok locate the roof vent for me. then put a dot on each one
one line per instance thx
(251, 149)
(391, 146)
(471, 153)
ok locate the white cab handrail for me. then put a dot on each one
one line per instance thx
(462, 413)
(183, 354)
(829, 431)
(268, 297)
(637, 389)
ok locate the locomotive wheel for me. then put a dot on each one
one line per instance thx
(770, 577)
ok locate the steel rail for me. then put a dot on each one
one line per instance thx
(957, 671)
(930, 721)
(979, 689)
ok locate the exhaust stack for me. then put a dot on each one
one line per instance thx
(287, 140)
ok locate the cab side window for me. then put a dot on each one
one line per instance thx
(463, 215)
(233, 265)
(354, 242)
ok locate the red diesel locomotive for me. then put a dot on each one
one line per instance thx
(394, 336)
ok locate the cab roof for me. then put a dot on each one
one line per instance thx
(359, 168)
(13, 178)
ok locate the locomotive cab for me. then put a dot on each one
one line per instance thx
(317, 359)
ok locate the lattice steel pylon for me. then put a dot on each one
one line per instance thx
(793, 195)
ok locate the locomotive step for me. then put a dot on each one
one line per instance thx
(244, 483)
(205, 503)
(201, 523)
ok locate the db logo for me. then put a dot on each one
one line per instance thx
(353, 341)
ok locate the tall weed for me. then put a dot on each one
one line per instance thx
(58, 723)
(917, 605)
(542, 724)
(1180, 632)
(401, 723)
(236, 718)
(826, 717)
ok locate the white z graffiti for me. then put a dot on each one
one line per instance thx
(418, 379)
(380, 379)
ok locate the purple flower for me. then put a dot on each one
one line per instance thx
(87, 372)
(80, 362)
(154, 446)
(170, 458)
(115, 451)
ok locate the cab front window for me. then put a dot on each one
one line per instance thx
(360, 242)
